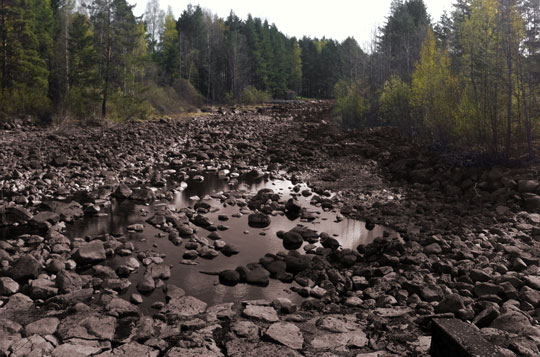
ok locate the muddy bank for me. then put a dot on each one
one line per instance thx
(468, 245)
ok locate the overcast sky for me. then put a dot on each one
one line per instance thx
(337, 19)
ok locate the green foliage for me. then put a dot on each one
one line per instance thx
(252, 95)
(402, 36)
(435, 91)
(124, 107)
(168, 58)
(395, 106)
(21, 99)
(179, 97)
(25, 46)
(351, 103)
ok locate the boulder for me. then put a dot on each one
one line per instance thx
(229, 277)
(184, 307)
(90, 253)
(287, 334)
(263, 313)
(24, 268)
(42, 327)
(122, 192)
(146, 284)
(452, 303)
(527, 186)
(69, 281)
(259, 220)
(292, 240)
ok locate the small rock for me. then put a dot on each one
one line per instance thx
(8, 286)
(452, 303)
(146, 284)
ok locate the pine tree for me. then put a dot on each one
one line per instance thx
(24, 75)
(168, 57)
(117, 36)
(83, 77)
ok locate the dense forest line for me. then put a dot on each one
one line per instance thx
(97, 59)
(471, 79)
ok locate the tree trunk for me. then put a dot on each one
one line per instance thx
(106, 84)
(4, 45)
(509, 88)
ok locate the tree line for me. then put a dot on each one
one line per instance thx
(95, 59)
(471, 79)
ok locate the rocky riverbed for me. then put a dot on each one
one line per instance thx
(466, 245)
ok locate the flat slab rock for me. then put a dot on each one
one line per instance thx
(287, 334)
(455, 338)
(131, 349)
(264, 313)
(184, 307)
(244, 348)
(77, 347)
(338, 323)
(87, 326)
(191, 352)
(340, 341)
(34, 345)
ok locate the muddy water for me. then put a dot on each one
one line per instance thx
(253, 243)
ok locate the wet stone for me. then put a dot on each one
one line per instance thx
(146, 284)
(90, 253)
(259, 220)
(229, 277)
(478, 275)
(173, 292)
(292, 240)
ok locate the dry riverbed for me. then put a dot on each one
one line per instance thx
(467, 246)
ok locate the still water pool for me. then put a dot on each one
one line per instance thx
(253, 243)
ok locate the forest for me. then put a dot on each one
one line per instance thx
(469, 79)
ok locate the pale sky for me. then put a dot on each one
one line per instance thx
(336, 19)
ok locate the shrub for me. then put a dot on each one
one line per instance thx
(395, 105)
(24, 100)
(351, 103)
(187, 92)
(124, 107)
(252, 95)
(84, 104)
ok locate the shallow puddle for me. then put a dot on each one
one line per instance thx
(253, 243)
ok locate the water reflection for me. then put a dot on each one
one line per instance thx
(249, 241)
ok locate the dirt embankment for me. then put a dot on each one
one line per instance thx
(469, 248)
